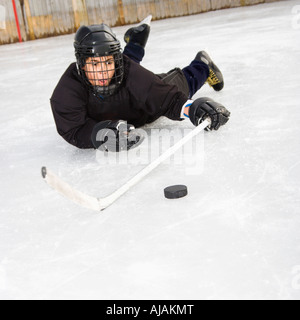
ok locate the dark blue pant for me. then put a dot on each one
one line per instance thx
(134, 52)
(196, 73)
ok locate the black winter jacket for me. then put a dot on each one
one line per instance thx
(142, 98)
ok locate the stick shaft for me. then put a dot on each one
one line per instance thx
(98, 204)
(168, 153)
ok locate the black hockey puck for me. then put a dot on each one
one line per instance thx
(176, 192)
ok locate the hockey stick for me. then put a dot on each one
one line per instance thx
(100, 204)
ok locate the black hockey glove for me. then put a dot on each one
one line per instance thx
(206, 107)
(116, 136)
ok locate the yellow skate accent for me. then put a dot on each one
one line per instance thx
(212, 80)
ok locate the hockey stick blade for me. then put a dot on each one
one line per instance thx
(69, 192)
(99, 204)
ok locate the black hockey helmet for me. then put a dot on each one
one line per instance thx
(94, 45)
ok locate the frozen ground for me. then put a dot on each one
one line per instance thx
(237, 233)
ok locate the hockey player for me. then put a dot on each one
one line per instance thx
(108, 91)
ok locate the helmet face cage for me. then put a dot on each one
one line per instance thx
(103, 74)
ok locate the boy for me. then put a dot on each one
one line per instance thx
(107, 91)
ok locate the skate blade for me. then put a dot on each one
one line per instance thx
(147, 20)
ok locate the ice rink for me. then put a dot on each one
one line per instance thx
(235, 236)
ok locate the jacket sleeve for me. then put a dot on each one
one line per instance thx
(155, 96)
(165, 99)
(73, 124)
(68, 103)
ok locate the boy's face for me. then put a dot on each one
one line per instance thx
(100, 70)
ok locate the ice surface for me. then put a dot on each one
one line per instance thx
(236, 236)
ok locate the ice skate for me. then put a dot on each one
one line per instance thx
(139, 35)
(215, 78)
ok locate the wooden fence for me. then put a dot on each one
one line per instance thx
(45, 18)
